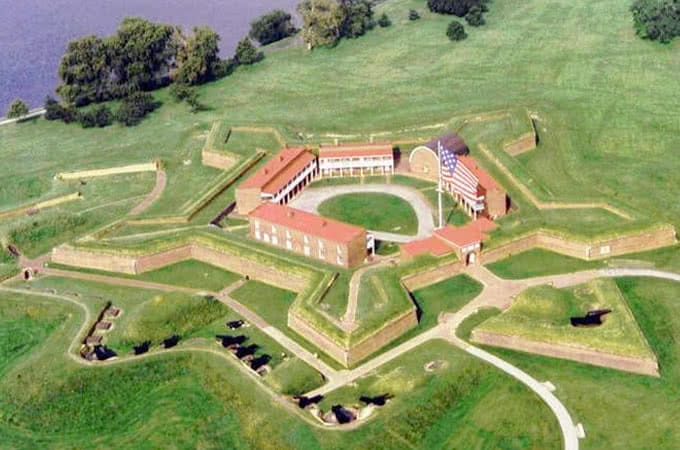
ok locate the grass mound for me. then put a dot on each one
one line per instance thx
(192, 274)
(376, 212)
(164, 315)
(294, 377)
(543, 313)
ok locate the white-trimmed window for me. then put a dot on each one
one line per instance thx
(308, 250)
(289, 244)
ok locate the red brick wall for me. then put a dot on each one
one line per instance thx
(65, 254)
(384, 336)
(147, 263)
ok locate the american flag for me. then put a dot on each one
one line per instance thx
(455, 173)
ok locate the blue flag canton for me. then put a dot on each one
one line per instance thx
(449, 159)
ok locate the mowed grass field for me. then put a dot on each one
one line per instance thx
(194, 399)
(376, 212)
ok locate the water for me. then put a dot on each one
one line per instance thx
(34, 33)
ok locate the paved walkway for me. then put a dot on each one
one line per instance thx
(310, 199)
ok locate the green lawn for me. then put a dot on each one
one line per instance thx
(192, 274)
(376, 212)
(294, 377)
(446, 296)
(270, 302)
(539, 262)
(542, 314)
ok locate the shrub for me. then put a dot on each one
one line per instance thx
(87, 119)
(17, 109)
(272, 27)
(103, 116)
(475, 17)
(657, 20)
(455, 7)
(456, 31)
(246, 53)
(413, 15)
(53, 110)
(384, 21)
(358, 18)
(134, 108)
(183, 93)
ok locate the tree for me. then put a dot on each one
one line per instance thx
(413, 15)
(85, 71)
(455, 7)
(456, 31)
(384, 21)
(322, 21)
(246, 53)
(142, 54)
(134, 107)
(358, 18)
(103, 116)
(198, 58)
(475, 17)
(17, 109)
(272, 27)
(657, 20)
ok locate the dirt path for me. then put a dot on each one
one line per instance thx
(156, 192)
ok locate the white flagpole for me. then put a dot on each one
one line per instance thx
(440, 187)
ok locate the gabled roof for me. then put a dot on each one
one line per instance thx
(485, 180)
(355, 150)
(279, 170)
(308, 223)
(470, 233)
(449, 141)
(432, 245)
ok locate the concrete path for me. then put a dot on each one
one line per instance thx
(224, 296)
(311, 198)
(31, 115)
(156, 192)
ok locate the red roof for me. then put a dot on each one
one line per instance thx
(309, 223)
(360, 149)
(485, 180)
(279, 170)
(431, 245)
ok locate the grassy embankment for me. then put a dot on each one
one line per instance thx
(542, 314)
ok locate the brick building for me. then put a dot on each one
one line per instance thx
(314, 236)
(489, 198)
(356, 159)
(465, 241)
(278, 180)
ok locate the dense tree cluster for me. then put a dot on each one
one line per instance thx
(658, 20)
(17, 109)
(140, 56)
(272, 27)
(134, 107)
(456, 7)
(327, 21)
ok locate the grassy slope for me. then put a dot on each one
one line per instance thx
(377, 212)
(539, 262)
(446, 296)
(193, 274)
(270, 302)
(641, 412)
(542, 314)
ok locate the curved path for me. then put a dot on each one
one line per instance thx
(161, 181)
(310, 199)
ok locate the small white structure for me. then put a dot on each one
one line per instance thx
(346, 160)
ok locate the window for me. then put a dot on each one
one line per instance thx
(287, 234)
(339, 249)
(340, 260)
(306, 239)
(289, 244)
(307, 250)
(266, 237)
(275, 239)
(257, 225)
(258, 235)
(273, 229)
